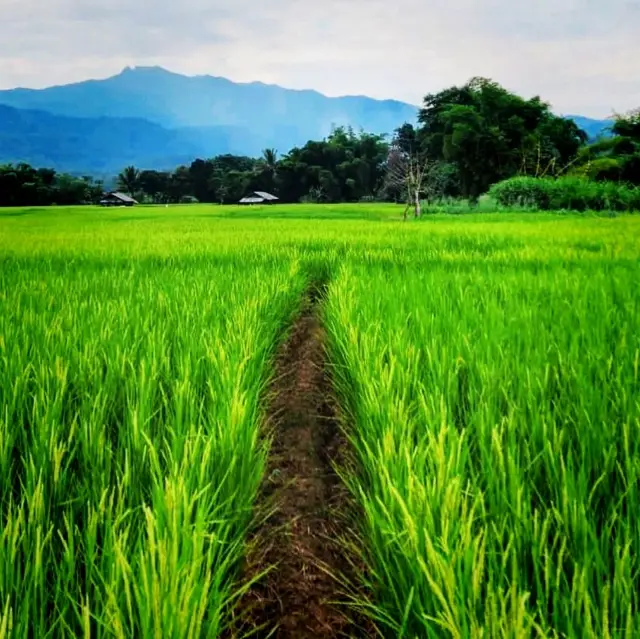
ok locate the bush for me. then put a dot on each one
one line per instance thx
(567, 193)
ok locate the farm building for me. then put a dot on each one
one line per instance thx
(117, 199)
(259, 197)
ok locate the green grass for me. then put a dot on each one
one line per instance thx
(487, 369)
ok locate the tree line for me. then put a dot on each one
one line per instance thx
(465, 140)
(345, 166)
(24, 185)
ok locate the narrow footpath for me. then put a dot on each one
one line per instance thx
(297, 599)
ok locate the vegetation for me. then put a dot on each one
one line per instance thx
(566, 193)
(346, 166)
(616, 158)
(487, 371)
(129, 450)
(22, 185)
(467, 139)
(605, 176)
(496, 442)
(129, 180)
(487, 134)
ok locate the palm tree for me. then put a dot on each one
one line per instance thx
(269, 160)
(266, 169)
(129, 180)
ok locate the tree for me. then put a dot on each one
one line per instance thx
(345, 166)
(179, 184)
(71, 190)
(406, 138)
(489, 134)
(200, 174)
(269, 160)
(129, 180)
(616, 158)
(23, 185)
(406, 172)
(155, 185)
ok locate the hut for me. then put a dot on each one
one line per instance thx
(117, 199)
(259, 197)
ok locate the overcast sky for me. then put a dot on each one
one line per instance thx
(583, 56)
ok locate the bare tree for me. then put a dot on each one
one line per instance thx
(407, 172)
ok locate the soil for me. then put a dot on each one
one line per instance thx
(298, 597)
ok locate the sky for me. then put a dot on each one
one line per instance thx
(582, 56)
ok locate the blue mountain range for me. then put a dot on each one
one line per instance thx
(156, 119)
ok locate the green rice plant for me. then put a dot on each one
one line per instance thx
(488, 371)
(130, 454)
(494, 414)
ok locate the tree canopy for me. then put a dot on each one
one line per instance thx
(24, 185)
(345, 166)
(488, 134)
(615, 158)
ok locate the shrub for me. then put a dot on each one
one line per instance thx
(569, 193)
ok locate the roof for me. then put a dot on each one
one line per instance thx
(265, 196)
(120, 196)
(252, 200)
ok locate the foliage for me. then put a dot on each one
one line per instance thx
(468, 138)
(129, 180)
(345, 166)
(489, 134)
(487, 369)
(23, 185)
(129, 456)
(491, 399)
(566, 193)
(616, 158)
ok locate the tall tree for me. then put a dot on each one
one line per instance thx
(269, 160)
(155, 185)
(129, 180)
(488, 134)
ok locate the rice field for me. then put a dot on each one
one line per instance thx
(486, 370)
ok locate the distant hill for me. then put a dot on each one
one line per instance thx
(102, 145)
(153, 118)
(284, 117)
(593, 128)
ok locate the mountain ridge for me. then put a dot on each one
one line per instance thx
(107, 144)
(174, 100)
(155, 118)
(163, 71)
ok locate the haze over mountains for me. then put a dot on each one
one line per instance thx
(153, 118)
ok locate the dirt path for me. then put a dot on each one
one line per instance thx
(296, 598)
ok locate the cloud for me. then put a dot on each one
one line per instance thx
(583, 56)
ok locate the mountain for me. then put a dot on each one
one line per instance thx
(593, 128)
(283, 117)
(154, 118)
(103, 144)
